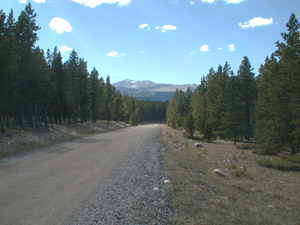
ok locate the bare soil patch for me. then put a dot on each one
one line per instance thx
(16, 140)
(247, 194)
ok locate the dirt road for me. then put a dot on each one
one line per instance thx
(46, 187)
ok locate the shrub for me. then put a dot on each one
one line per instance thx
(279, 164)
(246, 146)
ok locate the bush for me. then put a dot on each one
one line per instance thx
(246, 146)
(279, 164)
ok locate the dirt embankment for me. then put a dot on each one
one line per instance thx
(18, 140)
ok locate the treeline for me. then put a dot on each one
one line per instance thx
(39, 88)
(242, 106)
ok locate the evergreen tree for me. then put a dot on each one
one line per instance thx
(108, 99)
(248, 96)
(83, 90)
(3, 78)
(26, 37)
(288, 53)
(199, 106)
(72, 70)
(189, 125)
(232, 118)
(95, 95)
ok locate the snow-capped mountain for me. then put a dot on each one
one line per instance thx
(135, 84)
(148, 90)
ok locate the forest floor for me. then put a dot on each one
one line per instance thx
(246, 194)
(17, 141)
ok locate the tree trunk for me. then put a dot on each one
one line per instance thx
(2, 127)
(46, 122)
(7, 118)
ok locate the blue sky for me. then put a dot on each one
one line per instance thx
(165, 41)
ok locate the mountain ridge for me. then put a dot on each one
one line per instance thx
(149, 90)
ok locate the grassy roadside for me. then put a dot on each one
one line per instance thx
(249, 194)
(17, 141)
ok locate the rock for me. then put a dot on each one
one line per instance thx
(271, 206)
(219, 172)
(198, 145)
(167, 181)
(155, 189)
(191, 140)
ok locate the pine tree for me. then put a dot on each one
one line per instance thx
(248, 96)
(288, 53)
(95, 95)
(189, 125)
(72, 70)
(199, 106)
(2, 74)
(26, 37)
(232, 118)
(108, 99)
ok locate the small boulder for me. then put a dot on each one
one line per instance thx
(220, 173)
(167, 181)
(198, 145)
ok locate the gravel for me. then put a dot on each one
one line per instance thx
(134, 193)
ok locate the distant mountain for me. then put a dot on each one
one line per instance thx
(148, 90)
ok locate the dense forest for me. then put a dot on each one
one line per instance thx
(242, 106)
(39, 89)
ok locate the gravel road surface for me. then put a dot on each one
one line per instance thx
(110, 178)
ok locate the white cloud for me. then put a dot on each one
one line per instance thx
(65, 48)
(204, 48)
(256, 22)
(231, 47)
(37, 1)
(220, 49)
(169, 27)
(142, 26)
(208, 1)
(233, 1)
(60, 25)
(165, 28)
(112, 54)
(192, 2)
(94, 3)
(141, 52)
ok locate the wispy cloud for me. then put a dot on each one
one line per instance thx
(225, 1)
(256, 22)
(113, 54)
(65, 48)
(166, 28)
(220, 49)
(231, 47)
(60, 25)
(94, 3)
(208, 1)
(193, 52)
(204, 48)
(233, 1)
(192, 2)
(37, 1)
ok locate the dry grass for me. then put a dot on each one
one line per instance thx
(249, 194)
